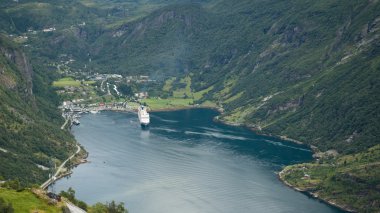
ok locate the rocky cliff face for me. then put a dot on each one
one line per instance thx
(22, 63)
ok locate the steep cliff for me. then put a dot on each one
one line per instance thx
(30, 137)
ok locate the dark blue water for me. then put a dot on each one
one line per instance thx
(185, 163)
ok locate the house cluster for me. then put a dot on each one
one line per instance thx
(68, 61)
(34, 32)
(69, 90)
(77, 106)
(101, 77)
(19, 38)
(128, 79)
(139, 79)
(50, 29)
(72, 103)
(141, 95)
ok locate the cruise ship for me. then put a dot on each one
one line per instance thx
(143, 116)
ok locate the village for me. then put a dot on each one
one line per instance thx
(99, 92)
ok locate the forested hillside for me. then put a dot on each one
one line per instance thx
(308, 70)
(30, 133)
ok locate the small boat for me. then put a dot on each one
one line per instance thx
(94, 111)
(76, 122)
(143, 116)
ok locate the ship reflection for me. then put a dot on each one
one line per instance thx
(145, 133)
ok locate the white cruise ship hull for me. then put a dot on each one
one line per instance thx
(143, 116)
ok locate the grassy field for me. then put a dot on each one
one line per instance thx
(68, 81)
(168, 84)
(26, 201)
(174, 103)
(235, 97)
(184, 92)
(199, 95)
(209, 104)
(182, 95)
(170, 103)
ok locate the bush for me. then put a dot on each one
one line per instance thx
(82, 205)
(111, 207)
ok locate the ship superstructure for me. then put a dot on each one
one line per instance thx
(143, 116)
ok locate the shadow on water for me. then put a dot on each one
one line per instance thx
(145, 127)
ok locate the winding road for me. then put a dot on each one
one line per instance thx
(74, 209)
(54, 177)
(64, 124)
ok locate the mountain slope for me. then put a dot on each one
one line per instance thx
(323, 80)
(30, 132)
(304, 69)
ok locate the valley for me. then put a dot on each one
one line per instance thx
(303, 70)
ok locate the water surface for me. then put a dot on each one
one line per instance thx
(185, 162)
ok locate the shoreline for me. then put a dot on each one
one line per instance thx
(258, 131)
(312, 194)
(280, 177)
(69, 169)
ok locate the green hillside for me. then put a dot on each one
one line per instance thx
(30, 133)
(27, 201)
(329, 179)
(303, 69)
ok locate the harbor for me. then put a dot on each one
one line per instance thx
(71, 111)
